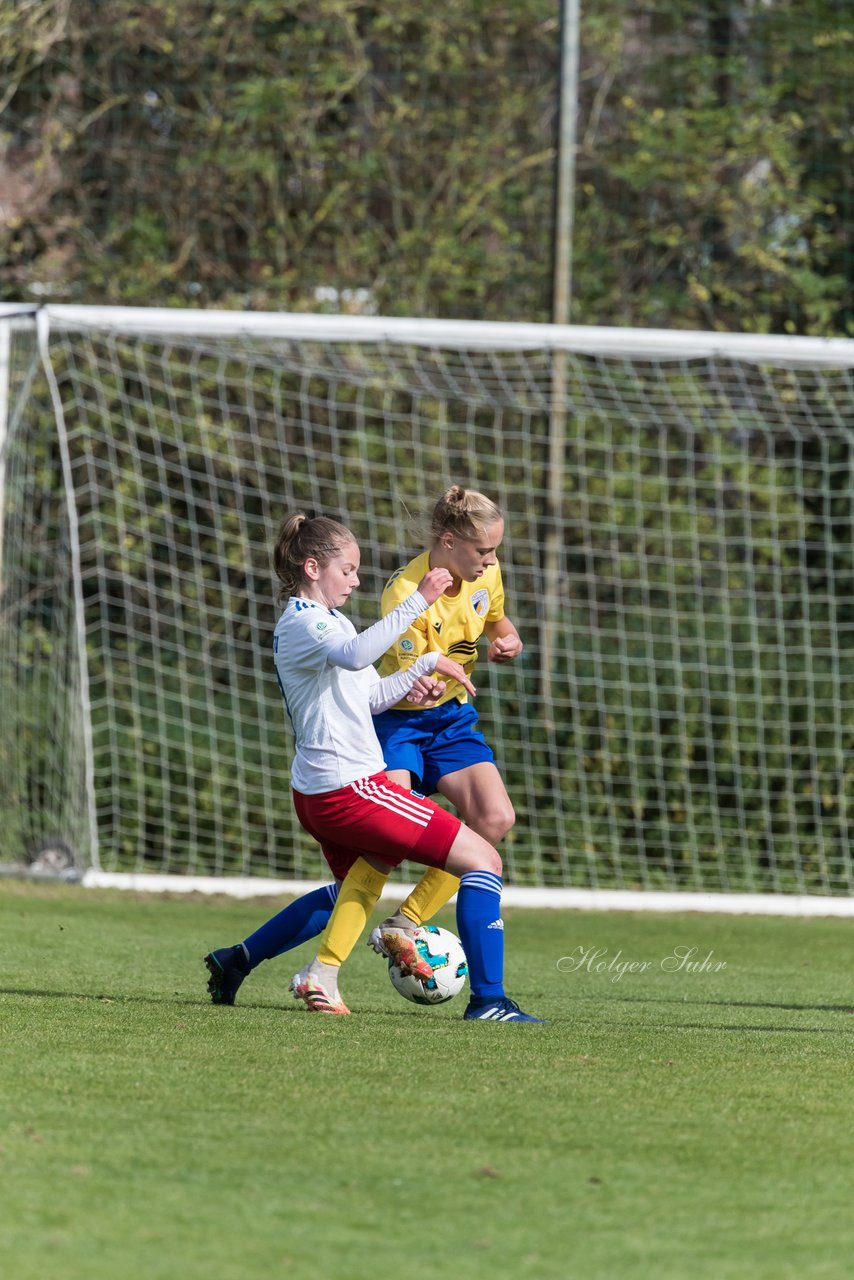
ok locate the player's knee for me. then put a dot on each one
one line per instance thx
(487, 857)
(495, 864)
(494, 824)
(470, 852)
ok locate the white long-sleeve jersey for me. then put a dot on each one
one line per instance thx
(332, 690)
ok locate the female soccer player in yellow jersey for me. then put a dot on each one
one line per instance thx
(436, 746)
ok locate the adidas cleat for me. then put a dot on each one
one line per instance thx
(314, 995)
(401, 950)
(227, 968)
(502, 1010)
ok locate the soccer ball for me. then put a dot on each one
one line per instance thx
(443, 951)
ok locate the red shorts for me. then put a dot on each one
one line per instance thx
(377, 816)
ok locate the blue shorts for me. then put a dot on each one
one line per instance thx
(432, 743)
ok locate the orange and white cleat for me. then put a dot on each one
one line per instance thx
(401, 949)
(314, 995)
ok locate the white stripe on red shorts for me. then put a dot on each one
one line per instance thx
(406, 806)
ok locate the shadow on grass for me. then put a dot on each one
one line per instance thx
(726, 1004)
(118, 998)
(412, 1016)
(734, 1004)
(744, 1026)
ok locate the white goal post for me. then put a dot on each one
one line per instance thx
(678, 557)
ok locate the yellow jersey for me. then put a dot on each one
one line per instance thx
(452, 625)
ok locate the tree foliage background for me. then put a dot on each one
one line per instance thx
(400, 158)
(276, 154)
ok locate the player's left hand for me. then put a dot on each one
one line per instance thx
(425, 691)
(504, 649)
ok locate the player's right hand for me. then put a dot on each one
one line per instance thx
(426, 691)
(447, 667)
(434, 582)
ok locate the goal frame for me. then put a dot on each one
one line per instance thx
(601, 342)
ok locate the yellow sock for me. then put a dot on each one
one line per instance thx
(432, 892)
(357, 898)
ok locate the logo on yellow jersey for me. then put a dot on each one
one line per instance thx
(480, 602)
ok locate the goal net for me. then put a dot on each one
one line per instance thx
(678, 558)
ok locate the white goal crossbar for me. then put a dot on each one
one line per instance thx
(462, 335)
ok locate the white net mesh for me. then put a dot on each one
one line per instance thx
(42, 771)
(682, 716)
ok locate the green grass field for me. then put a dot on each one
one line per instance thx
(677, 1123)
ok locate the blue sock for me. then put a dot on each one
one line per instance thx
(303, 919)
(481, 931)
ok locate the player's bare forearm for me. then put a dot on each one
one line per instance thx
(505, 641)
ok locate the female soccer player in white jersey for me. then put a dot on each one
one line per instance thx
(364, 822)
